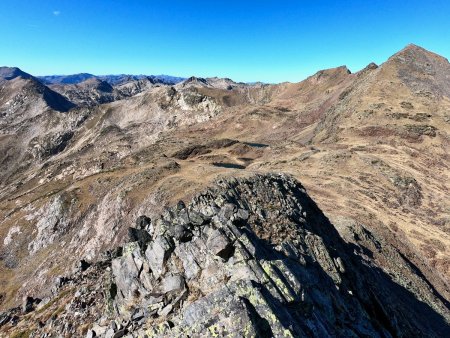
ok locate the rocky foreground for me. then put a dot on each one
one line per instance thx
(249, 257)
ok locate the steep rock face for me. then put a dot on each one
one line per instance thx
(20, 90)
(35, 121)
(252, 257)
(23, 96)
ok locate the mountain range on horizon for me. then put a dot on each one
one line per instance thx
(135, 205)
(114, 79)
(111, 79)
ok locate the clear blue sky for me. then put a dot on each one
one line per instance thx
(271, 41)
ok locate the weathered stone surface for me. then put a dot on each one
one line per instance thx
(264, 262)
(109, 333)
(157, 253)
(172, 283)
(219, 244)
(256, 270)
(186, 253)
(91, 334)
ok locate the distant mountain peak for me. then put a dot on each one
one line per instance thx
(414, 51)
(196, 79)
(111, 79)
(371, 65)
(9, 73)
(98, 84)
(331, 72)
(65, 79)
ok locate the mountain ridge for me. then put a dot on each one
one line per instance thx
(370, 147)
(9, 73)
(290, 269)
(111, 79)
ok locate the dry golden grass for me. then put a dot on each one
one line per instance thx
(345, 137)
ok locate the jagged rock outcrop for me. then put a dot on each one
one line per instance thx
(249, 257)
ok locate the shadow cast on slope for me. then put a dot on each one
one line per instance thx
(365, 292)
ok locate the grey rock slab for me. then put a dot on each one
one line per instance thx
(91, 334)
(219, 244)
(109, 333)
(125, 274)
(172, 283)
(120, 333)
(185, 253)
(157, 253)
(165, 310)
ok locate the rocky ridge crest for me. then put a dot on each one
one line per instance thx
(252, 257)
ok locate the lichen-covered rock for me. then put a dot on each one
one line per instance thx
(262, 262)
(219, 244)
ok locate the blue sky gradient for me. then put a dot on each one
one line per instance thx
(270, 41)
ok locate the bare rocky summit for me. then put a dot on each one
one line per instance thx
(82, 161)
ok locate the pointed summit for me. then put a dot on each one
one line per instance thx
(414, 47)
(413, 51)
(193, 81)
(17, 80)
(416, 65)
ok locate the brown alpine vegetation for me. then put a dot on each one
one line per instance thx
(214, 208)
